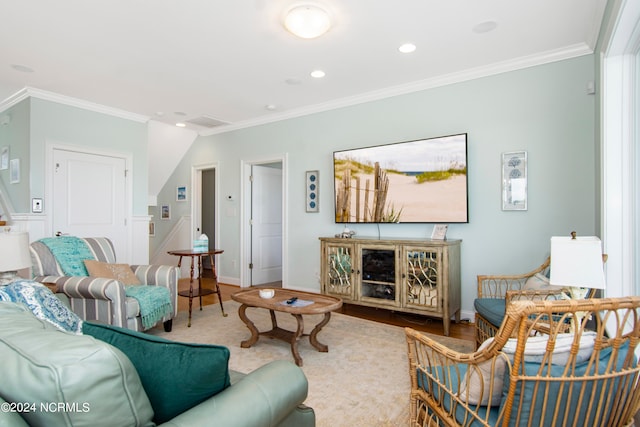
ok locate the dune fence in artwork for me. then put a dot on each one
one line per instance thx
(368, 202)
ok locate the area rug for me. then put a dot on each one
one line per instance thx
(363, 380)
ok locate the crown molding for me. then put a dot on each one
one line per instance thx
(569, 52)
(438, 81)
(27, 92)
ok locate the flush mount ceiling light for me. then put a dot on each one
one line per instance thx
(407, 48)
(307, 21)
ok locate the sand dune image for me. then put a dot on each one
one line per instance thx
(445, 201)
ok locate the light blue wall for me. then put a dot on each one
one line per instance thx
(65, 125)
(15, 135)
(544, 110)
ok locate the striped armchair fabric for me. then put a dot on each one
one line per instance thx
(101, 299)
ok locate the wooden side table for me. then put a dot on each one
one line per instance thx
(198, 254)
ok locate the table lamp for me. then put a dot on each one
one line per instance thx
(576, 263)
(14, 255)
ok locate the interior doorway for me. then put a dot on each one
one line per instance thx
(205, 208)
(263, 222)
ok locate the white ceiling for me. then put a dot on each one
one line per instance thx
(229, 59)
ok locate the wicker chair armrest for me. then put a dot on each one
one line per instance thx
(442, 378)
(533, 295)
(496, 286)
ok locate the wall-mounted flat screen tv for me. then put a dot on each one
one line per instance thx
(422, 181)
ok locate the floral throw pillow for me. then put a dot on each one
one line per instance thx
(42, 303)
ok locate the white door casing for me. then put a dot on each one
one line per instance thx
(89, 197)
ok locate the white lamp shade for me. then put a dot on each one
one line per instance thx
(14, 251)
(577, 262)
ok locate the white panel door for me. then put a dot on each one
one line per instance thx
(266, 229)
(89, 197)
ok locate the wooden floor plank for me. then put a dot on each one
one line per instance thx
(462, 330)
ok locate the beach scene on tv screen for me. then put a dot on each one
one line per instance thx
(414, 181)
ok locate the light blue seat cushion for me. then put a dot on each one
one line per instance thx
(566, 396)
(42, 303)
(492, 309)
(453, 377)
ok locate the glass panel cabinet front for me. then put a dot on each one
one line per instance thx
(378, 268)
(340, 270)
(421, 278)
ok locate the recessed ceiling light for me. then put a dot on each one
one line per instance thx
(22, 68)
(317, 74)
(485, 27)
(180, 113)
(307, 21)
(181, 125)
(407, 48)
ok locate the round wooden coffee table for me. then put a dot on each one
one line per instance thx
(321, 304)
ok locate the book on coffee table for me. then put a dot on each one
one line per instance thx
(297, 303)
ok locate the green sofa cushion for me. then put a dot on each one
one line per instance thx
(72, 380)
(176, 376)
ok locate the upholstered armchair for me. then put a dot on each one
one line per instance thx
(104, 299)
(535, 371)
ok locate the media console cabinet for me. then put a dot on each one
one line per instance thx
(420, 276)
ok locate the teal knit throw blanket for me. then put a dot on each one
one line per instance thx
(154, 301)
(70, 252)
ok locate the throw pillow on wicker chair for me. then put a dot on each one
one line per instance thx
(476, 387)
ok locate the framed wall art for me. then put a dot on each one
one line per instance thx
(312, 199)
(4, 158)
(514, 181)
(165, 211)
(181, 193)
(14, 171)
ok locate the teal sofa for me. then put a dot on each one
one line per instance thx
(54, 377)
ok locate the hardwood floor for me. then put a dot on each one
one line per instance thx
(462, 330)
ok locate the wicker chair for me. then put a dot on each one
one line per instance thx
(588, 377)
(492, 299)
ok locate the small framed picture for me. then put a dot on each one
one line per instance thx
(152, 228)
(514, 181)
(14, 171)
(165, 211)
(312, 183)
(4, 158)
(181, 194)
(439, 232)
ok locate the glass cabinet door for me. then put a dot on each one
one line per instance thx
(378, 271)
(339, 270)
(421, 278)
